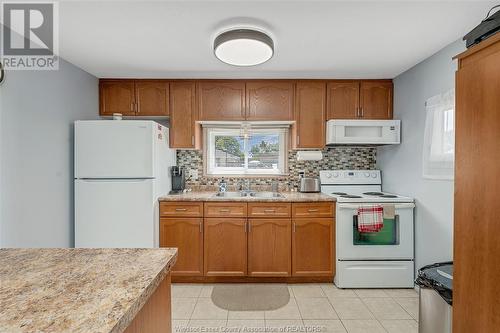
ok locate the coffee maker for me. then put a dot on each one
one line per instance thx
(178, 180)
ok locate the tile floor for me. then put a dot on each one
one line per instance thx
(313, 308)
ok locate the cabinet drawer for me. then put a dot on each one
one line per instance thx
(178, 209)
(269, 209)
(225, 209)
(313, 209)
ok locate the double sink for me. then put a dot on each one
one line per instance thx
(241, 194)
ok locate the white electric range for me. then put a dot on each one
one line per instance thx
(370, 260)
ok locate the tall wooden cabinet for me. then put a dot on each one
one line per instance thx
(476, 290)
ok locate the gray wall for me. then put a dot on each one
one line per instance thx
(36, 145)
(402, 165)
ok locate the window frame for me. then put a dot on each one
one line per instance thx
(437, 160)
(211, 170)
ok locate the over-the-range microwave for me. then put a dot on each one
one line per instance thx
(363, 132)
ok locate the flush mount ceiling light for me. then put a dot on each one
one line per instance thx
(243, 47)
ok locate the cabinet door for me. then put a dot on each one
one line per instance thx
(182, 115)
(186, 234)
(343, 100)
(151, 98)
(376, 99)
(310, 115)
(269, 247)
(269, 100)
(313, 247)
(221, 100)
(116, 96)
(225, 246)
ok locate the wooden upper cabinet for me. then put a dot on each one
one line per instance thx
(310, 117)
(313, 247)
(151, 98)
(225, 246)
(183, 115)
(186, 234)
(269, 247)
(117, 96)
(221, 100)
(375, 99)
(343, 100)
(269, 100)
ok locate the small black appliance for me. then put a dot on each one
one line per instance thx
(487, 28)
(178, 180)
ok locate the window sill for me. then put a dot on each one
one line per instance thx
(280, 175)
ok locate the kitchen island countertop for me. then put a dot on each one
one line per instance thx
(210, 196)
(78, 290)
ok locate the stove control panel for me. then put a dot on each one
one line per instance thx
(365, 177)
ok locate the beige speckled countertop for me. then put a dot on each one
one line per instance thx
(77, 290)
(210, 196)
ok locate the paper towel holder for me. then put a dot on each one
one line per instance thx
(309, 155)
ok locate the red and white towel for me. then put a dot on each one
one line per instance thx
(370, 218)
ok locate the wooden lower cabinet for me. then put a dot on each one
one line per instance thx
(186, 234)
(240, 241)
(313, 247)
(269, 247)
(225, 247)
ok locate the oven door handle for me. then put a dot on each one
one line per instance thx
(356, 206)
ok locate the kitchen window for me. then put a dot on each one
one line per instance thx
(235, 151)
(439, 139)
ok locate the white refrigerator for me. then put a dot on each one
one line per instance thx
(121, 168)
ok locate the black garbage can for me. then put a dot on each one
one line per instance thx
(435, 297)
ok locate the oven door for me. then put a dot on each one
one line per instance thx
(393, 242)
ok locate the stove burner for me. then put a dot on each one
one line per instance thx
(388, 196)
(339, 193)
(349, 196)
(373, 193)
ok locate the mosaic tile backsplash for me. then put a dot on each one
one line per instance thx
(333, 158)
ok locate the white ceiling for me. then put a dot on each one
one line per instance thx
(313, 39)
